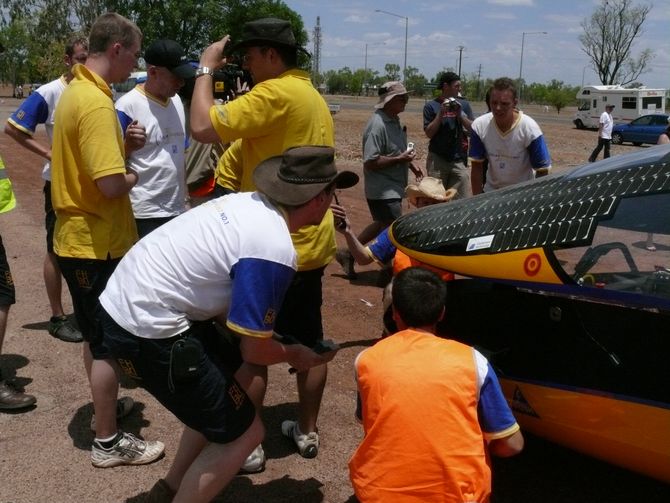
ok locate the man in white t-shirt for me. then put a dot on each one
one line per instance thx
(160, 193)
(231, 260)
(40, 108)
(605, 125)
(510, 140)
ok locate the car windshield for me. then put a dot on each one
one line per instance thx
(629, 252)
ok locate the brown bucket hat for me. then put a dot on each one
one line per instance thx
(300, 173)
(267, 31)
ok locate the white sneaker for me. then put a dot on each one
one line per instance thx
(308, 445)
(128, 450)
(255, 462)
(124, 406)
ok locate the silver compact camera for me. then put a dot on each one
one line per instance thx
(450, 104)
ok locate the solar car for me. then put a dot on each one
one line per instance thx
(557, 284)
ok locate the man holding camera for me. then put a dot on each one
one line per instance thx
(282, 110)
(445, 120)
(160, 192)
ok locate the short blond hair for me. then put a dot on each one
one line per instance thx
(109, 29)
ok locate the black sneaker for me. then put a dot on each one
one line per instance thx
(61, 328)
(12, 399)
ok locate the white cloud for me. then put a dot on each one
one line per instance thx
(512, 3)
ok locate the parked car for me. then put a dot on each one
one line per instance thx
(644, 129)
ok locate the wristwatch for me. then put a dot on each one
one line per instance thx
(203, 70)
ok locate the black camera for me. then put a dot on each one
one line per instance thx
(226, 81)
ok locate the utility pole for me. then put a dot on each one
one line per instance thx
(316, 59)
(479, 77)
(460, 58)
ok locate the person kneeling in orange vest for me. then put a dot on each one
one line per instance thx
(432, 408)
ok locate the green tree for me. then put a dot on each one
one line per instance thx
(392, 71)
(193, 23)
(15, 38)
(414, 81)
(608, 38)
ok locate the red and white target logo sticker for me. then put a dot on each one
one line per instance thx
(532, 264)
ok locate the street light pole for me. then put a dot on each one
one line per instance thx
(404, 68)
(366, 56)
(523, 39)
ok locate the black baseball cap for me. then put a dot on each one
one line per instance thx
(169, 54)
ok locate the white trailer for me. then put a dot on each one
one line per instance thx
(628, 104)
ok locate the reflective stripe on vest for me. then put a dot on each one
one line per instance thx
(7, 199)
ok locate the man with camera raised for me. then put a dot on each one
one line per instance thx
(281, 111)
(444, 121)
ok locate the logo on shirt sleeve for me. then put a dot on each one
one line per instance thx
(270, 316)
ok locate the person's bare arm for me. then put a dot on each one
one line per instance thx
(265, 352)
(477, 176)
(135, 137)
(384, 161)
(202, 128)
(343, 226)
(508, 446)
(27, 141)
(434, 126)
(118, 185)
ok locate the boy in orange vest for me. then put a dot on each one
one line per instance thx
(432, 408)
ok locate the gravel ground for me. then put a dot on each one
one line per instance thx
(44, 452)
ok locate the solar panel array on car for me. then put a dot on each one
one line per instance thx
(553, 211)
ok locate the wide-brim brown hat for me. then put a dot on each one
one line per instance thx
(300, 173)
(431, 188)
(267, 31)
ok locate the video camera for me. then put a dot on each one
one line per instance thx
(224, 83)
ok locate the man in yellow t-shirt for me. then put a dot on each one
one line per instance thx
(282, 110)
(94, 219)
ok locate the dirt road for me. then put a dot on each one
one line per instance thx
(44, 453)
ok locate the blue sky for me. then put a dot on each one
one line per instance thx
(490, 31)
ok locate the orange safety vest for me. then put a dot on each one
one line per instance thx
(403, 261)
(423, 442)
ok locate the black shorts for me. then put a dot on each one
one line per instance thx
(300, 315)
(86, 279)
(385, 210)
(7, 291)
(49, 217)
(147, 225)
(210, 401)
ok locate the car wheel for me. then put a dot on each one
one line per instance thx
(637, 143)
(579, 124)
(617, 138)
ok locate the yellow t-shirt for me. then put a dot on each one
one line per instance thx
(275, 115)
(88, 145)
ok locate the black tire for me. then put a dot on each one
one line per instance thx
(617, 138)
(579, 124)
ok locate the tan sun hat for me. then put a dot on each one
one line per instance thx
(388, 91)
(431, 188)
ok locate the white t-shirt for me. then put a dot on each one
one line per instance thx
(161, 186)
(513, 155)
(232, 255)
(40, 108)
(608, 123)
